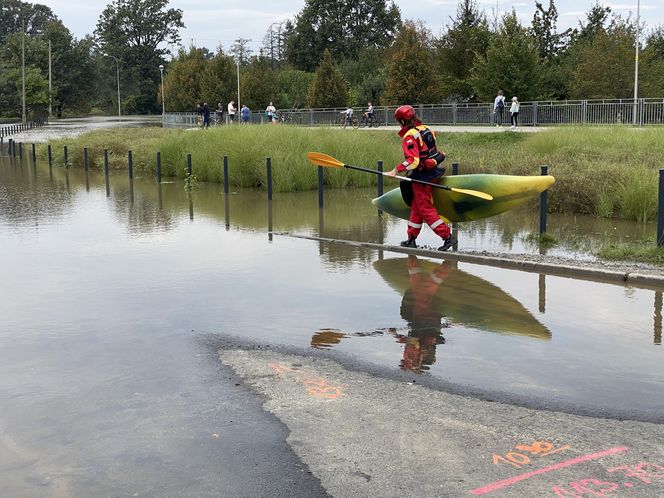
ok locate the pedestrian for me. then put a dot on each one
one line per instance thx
(245, 113)
(348, 116)
(423, 161)
(514, 112)
(199, 111)
(499, 108)
(231, 112)
(271, 113)
(219, 113)
(205, 111)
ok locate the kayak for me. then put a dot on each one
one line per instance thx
(508, 191)
(468, 300)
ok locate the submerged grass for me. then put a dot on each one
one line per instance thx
(601, 171)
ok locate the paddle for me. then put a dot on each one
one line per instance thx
(320, 159)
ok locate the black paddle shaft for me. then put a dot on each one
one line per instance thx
(403, 178)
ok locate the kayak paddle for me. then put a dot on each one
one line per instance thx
(320, 159)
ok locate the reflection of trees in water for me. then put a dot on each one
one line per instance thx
(142, 214)
(26, 198)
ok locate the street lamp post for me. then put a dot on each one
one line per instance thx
(238, 85)
(636, 63)
(163, 101)
(117, 65)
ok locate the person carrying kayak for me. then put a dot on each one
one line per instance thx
(423, 161)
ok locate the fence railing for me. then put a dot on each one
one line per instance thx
(541, 113)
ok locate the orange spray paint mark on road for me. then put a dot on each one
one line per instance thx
(315, 386)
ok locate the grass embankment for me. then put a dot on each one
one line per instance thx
(600, 171)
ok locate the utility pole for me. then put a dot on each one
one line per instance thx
(50, 83)
(24, 118)
(636, 64)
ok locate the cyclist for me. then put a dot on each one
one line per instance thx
(348, 116)
(369, 113)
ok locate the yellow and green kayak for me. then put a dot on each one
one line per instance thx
(508, 191)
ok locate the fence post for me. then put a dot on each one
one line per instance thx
(584, 112)
(455, 168)
(534, 113)
(225, 174)
(85, 158)
(34, 154)
(50, 157)
(105, 162)
(543, 203)
(20, 151)
(269, 178)
(158, 167)
(454, 114)
(380, 179)
(130, 161)
(660, 210)
(66, 160)
(320, 187)
(188, 164)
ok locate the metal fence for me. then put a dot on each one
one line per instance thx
(542, 113)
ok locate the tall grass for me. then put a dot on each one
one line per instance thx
(601, 171)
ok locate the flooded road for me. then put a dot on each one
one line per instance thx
(109, 296)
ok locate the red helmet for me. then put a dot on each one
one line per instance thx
(405, 112)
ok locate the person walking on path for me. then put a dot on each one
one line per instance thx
(245, 114)
(231, 112)
(423, 161)
(499, 108)
(514, 112)
(205, 111)
(271, 113)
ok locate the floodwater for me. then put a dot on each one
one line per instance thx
(107, 287)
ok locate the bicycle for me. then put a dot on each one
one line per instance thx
(344, 121)
(369, 121)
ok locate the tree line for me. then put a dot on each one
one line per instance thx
(331, 54)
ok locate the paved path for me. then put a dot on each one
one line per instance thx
(364, 435)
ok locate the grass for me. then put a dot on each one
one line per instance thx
(605, 172)
(628, 252)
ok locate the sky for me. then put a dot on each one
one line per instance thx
(211, 22)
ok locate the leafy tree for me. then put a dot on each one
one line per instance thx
(345, 27)
(259, 84)
(136, 32)
(240, 51)
(511, 64)
(605, 67)
(467, 38)
(366, 75)
(219, 80)
(14, 15)
(292, 88)
(182, 81)
(543, 30)
(329, 88)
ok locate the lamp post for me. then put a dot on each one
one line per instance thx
(238, 85)
(636, 63)
(163, 102)
(117, 65)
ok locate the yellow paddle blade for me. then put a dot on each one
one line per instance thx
(320, 159)
(476, 193)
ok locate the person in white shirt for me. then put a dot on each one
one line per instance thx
(499, 108)
(271, 112)
(348, 114)
(231, 111)
(514, 112)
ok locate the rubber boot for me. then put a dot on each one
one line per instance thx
(449, 242)
(409, 243)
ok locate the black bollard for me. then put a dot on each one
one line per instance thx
(455, 168)
(660, 210)
(106, 162)
(85, 158)
(269, 178)
(130, 160)
(34, 154)
(380, 179)
(543, 204)
(159, 168)
(225, 174)
(50, 156)
(66, 160)
(20, 151)
(320, 187)
(2, 145)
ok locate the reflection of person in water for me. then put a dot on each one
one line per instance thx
(423, 318)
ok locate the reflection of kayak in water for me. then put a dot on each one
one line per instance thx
(508, 191)
(468, 300)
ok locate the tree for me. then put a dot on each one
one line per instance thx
(411, 77)
(182, 81)
(259, 84)
(543, 30)
(240, 51)
(292, 88)
(218, 80)
(511, 64)
(329, 88)
(467, 38)
(344, 27)
(14, 15)
(136, 32)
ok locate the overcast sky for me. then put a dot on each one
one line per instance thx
(211, 22)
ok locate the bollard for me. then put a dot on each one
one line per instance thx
(106, 162)
(158, 167)
(130, 160)
(225, 174)
(455, 168)
(269, 179)
(50, 156)
(660, 210)
(20, 151)
(188, 164)
(2, 144)
(85, 158)
(320, 187)
(66, 163)
(34, 154)
(543, 203)
(380, 179)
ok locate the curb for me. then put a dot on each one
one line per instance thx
(634, 279)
